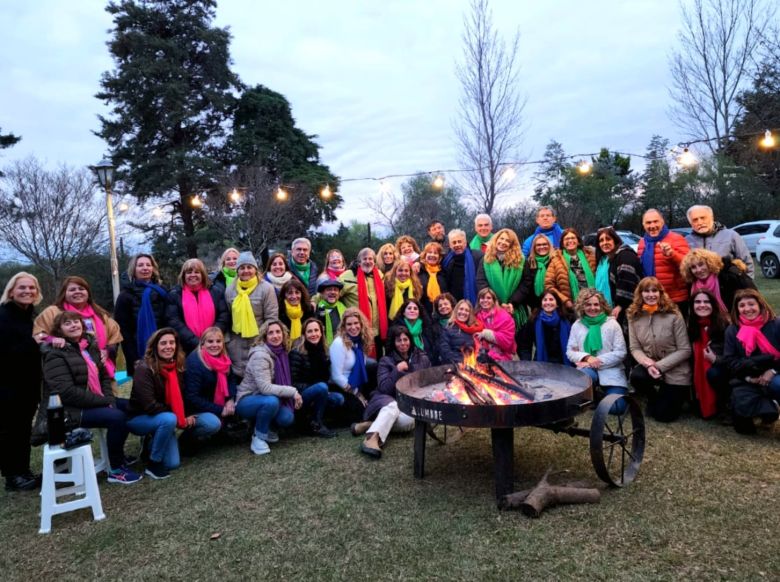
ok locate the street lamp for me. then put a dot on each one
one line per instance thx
(104, 170)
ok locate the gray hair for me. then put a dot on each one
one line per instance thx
(698, 207)
(456, 232)
(483, 215)
(364, 251)
(303, 240)
(550, 208)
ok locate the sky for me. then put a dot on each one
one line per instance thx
(375, 81)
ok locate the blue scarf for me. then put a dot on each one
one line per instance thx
(551, 320)
(146, 324)
(648, 255)
(553, 233)
(358, 376)
(470, 279)
(602, 280)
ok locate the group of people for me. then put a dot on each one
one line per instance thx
(680, 320)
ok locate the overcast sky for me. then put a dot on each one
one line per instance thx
(374, 80)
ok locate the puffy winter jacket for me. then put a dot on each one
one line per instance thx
(667, 269)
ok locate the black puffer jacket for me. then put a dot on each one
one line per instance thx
(305, 371)
(65, 373)
(20, 358)
(174, 315)
(451, 343)
(128, 304)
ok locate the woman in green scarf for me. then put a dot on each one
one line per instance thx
(228, 263)
(424, 335)
(572, 268)
(501, 270)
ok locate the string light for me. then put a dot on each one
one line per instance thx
(438, 182)
(768, 141)
(196, 202)
(686, 159)
(325, 193)
(281, 194)
(157, 212)
(584, 167)
(235, 196)
(509, 174)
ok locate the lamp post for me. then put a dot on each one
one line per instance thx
(105, 175)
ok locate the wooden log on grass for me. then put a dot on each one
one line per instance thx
(533, 501)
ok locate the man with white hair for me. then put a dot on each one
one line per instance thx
(713, 236)
(483, 225)
(302, 266)
(460, 267)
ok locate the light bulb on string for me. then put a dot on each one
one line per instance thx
(196, 202)
(768, 141)
(509, 174)
(438, 182)
(281, 194)
(157, 212)
(326, 193)
(235, 196)
(584, 167)
(686, 159)
(123, 207)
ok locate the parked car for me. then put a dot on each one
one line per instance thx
(683, 230)
(628, 237)
(768, 252)
(751, 232)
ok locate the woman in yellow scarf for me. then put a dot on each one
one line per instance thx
(401, 284)
(431, 275)
(294, 306)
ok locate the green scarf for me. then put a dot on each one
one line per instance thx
(477, 242)
(230, 276)
(504, 281)
(541, 273)
(302, 272)
(590, 281)
(416, 330)
(327, 308)
(592, 343)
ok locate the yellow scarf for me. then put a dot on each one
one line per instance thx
(432, 289)
(295, 313)
(398, 296)
(244, 322)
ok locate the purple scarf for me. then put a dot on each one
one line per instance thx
(282, 375)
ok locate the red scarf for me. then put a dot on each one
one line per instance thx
(221, 366)
(750, 336)
(364, 302)
(704, 392)
(93, 376)
(709, 284)
(470, 329)
(334, 273)
(173, 393)
(198, 309)
(100, 331)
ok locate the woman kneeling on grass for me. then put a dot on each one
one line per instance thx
(403, 357)
(266, 394)
(158, 406)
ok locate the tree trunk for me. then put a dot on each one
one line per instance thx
(533, 501)
(185, 209)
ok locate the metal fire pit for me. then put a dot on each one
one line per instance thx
(616, 441)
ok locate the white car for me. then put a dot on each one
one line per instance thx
(751, 232)
(768, 252)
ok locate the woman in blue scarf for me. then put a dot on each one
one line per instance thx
(546, 336)
(140, 307)
(350, 369)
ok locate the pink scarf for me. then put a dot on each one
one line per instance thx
(709, 284)
(100, 331)
(750, 336)
(221, 366)
(93, 378)
(334, 273)
(198, 309)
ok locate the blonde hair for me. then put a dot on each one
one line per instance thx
(209, 331)
(587, 294)
(224, 255)
(380, 262)
(263, 333)
(197, 265)
(155, 267)
(390, 279)
(365, 328)
(532, 255)
(6, 298)
(712, 260)
(513, 257)
(472, 316)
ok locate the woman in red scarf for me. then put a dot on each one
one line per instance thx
(195, 305)
(335, 265)
(752, 353)
(156, 403)
(459, 333)
(75, 295)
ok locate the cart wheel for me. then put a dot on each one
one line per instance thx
(617, 441)
(445, 435)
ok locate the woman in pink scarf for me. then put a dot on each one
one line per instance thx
(75, 295)
(498, 335)
(195, 305)
(208, 384)
(723, 277)
(752, 353)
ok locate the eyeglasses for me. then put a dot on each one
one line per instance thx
(541, 246)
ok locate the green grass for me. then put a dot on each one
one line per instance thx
(704, 506)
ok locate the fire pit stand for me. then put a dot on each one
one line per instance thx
(616, 441)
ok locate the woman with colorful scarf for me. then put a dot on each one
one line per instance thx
(596, 346)
(386, 258)
(208, 384)
(459, 333)
(535, 272)
(571, 269)
(140, 308)
(618, 272)
(277, 271)
(412, 316)
(350, 369)
(545, 337)
(157, 408)
(294, 307)
(252, 302)
(401, 283)
(195, 304)
(382, 414)
(75, 372)
(443, 307)
(499, 333)
(707, 329)
(226, 273)
(407, 248)
(431, 275)
(501, 269)
(335, 265)
(75, 294)
(659, 343)
(723, 277)
(752, 354)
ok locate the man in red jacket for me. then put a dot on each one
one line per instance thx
(661, 252)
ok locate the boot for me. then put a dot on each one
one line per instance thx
(359, 428)
(371, 446)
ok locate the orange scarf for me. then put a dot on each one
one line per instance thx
(432, 290)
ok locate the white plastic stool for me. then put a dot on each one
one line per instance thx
(81, 473)
(102, 463)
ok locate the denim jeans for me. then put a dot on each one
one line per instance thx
(162, 427)
(618, 407)
(114, 420)
(774, 388)
(262, 408)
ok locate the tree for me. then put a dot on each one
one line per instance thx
(717, 43)
(489, 127)
(51, 217)
(171, 97)
(6, 141)
(349, 239)
(520, 217)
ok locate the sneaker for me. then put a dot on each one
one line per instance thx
(124, 476)
(157, 470)
(131, 460)
(259, 446)
(273, 437)
(321, 430)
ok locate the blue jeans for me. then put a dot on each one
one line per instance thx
(263, 408)
(165, 447)
(774, 388)
(620, 406)
(114, 420)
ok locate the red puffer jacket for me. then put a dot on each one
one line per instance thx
(667, 269)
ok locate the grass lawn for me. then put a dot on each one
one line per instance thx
(704, 506)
